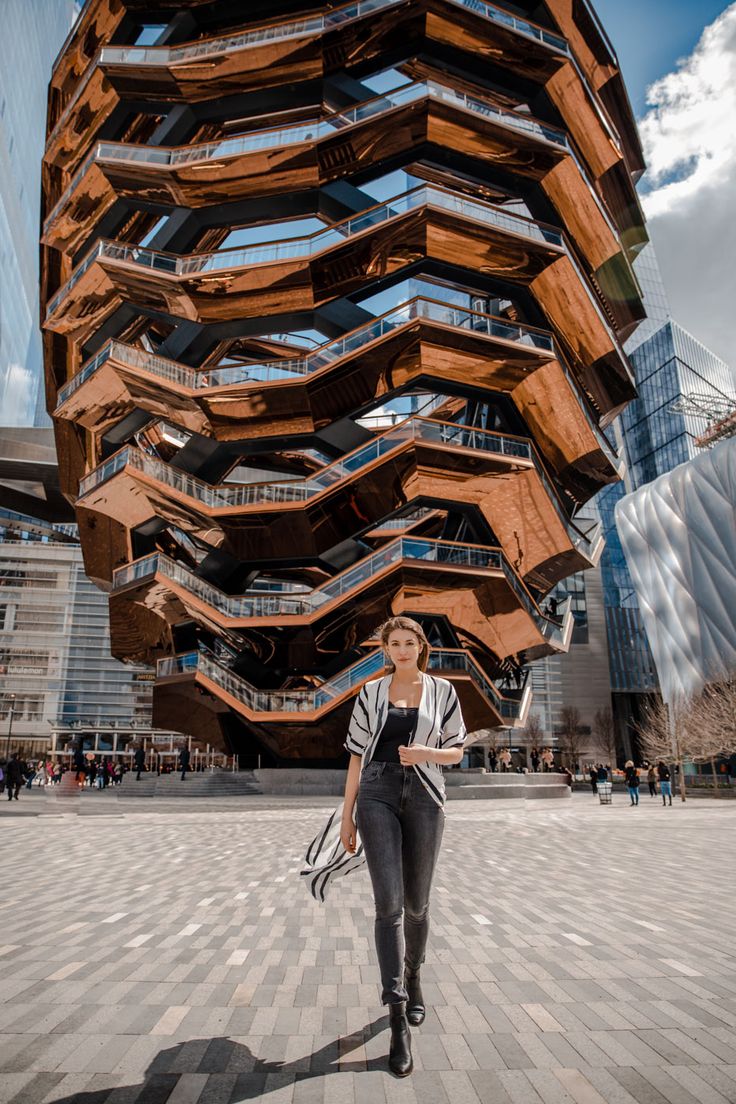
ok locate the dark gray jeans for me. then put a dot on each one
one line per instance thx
(401, 827)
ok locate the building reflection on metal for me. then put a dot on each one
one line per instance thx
(334, 309)
(679, 537)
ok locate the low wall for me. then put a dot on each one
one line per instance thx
(461, 784)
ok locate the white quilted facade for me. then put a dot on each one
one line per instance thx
(679, 537)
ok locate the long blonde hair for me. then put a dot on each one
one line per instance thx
(405, 624)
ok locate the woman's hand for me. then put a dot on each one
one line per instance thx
(410, 754)
(348, 835)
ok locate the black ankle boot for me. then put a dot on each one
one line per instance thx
(415, 1005)
(399, 1055)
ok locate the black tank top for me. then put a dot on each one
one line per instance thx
(398, 730)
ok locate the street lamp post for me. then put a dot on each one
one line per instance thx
(11, 698)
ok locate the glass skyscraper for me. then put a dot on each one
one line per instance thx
(668, 362)
(32, 33)
(56, 671)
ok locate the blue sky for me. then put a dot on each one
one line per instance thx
(650, 35)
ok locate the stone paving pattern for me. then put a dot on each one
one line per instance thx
(580, 954)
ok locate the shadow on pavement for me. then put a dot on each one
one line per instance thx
(228, 1071)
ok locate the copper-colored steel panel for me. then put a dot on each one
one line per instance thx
(107, 311)
(511, 492)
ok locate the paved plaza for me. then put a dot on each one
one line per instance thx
(152, 953)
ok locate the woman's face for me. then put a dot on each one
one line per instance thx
(403, 650)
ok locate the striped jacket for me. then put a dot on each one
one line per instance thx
(439, 724)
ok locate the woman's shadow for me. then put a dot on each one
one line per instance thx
(227, 1071)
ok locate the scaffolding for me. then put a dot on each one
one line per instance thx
(718, 411)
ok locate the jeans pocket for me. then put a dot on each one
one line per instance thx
(371, 772)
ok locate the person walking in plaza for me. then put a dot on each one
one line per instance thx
(505, 758)
(665, 781)
(593, 774)
(652, 780)
(139, 759)
(493, 760)
(184, 758)
(13, 776)
(405, 727)
(632, 781)
(534, 758)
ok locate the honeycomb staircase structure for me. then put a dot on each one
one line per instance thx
(334, 301)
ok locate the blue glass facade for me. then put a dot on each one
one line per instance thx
(32, 33)
(667, 364)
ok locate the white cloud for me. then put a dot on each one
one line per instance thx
(17, 396)
(689, 195)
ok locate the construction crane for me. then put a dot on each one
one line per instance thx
(718, 410)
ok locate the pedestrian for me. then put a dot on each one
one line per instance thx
(29, 774)
(632, 781)
(505, 759)
(140, 762)
(493, 760)
(665, 781)
(652, 780)
(593, 773)
(14, 777)
(534, 757)
(568, 776)
(601, 774)
(405, 727)
(184, 758)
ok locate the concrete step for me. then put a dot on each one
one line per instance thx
(144, 787)
(199, 784)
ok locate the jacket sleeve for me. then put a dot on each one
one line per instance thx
(359, 729)
(453, 733)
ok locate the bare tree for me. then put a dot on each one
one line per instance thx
(570, 732)
(606, 733)
(533, 731)
(709, 725)
(660, 737)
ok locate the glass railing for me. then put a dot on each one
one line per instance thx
(313, 131)
(302, 604)
(557, 630)
(416, 428)
(269, 371)
(314, 25)
(286, 599)
(294, 248)
(310, 701)
(172, 55)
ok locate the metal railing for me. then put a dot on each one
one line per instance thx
(285, 599)
(172, 55)
(302, 604)
(415, 428)
(302, 28)
(310, 701)
(312, 131)
(313, 244)
(269, 371)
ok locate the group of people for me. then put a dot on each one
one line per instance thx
(17, 772)
(500, 759)
(657, 774)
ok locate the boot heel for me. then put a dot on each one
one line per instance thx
(399, 1056)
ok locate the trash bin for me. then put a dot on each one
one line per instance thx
(605, 792)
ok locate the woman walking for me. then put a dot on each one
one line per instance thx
(652, 780)
(632, 781)
(405, 727)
